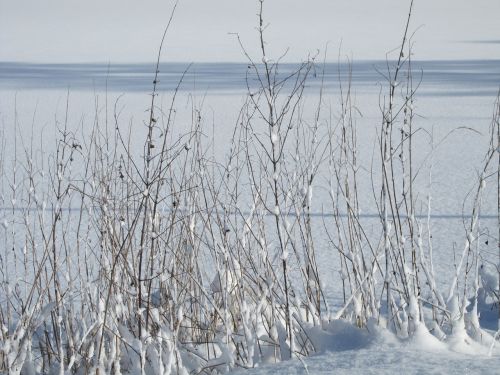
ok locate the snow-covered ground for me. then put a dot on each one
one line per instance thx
(456, 110)
(361, 353)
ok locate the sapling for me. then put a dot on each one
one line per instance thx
(166, 259)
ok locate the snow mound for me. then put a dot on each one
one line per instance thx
(346, 349)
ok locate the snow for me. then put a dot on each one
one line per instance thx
(348, 350)
(384, 357)
(465, 343)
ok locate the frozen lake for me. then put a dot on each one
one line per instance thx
(454, 101)
(453, 106)
(439, 78)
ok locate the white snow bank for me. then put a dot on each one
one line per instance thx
(349, 350)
